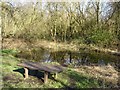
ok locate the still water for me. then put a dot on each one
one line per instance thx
(83, 57)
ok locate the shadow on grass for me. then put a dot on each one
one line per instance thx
(80, 81)
(65, 86)
(34, 73)
(40, 75)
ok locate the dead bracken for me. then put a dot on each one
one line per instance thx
(107, 73)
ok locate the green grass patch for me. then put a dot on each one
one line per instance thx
(13, 77)
(9, 51)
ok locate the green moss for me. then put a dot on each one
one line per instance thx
(54, 63)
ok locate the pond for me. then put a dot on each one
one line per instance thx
(83, 57)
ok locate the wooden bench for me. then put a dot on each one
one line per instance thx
(47, 68)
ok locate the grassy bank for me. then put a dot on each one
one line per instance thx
(54, 46)
(82, 77)
(14, 79)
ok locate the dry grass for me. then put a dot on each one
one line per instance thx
(112, 51)
(54, 46)
(107, 73)
(14, 43)
(50, 45)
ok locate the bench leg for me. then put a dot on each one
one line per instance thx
(45, 77)
(26, 73)
(56, 75)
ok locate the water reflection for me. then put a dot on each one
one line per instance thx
(67, 57)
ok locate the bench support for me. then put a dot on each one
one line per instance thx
(45, 77)
(56, 75)
(26, 73)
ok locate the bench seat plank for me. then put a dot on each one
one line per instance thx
(42, 67)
